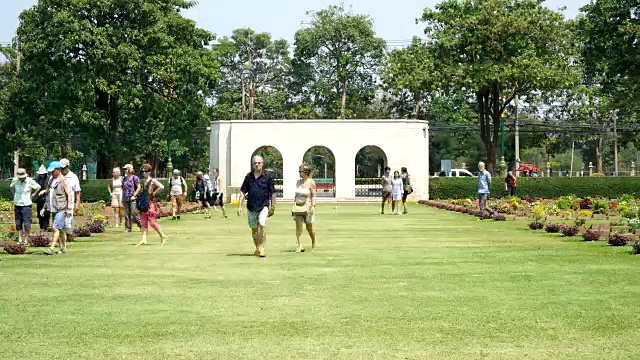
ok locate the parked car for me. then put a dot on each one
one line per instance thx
(457, 173)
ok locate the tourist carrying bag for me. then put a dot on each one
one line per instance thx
(142, 202)
(300, 209)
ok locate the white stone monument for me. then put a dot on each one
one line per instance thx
(404, 142)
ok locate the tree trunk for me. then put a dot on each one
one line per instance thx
(417, 108)
(487, 131)
(344, 99)
(599, 155)
(244, 105)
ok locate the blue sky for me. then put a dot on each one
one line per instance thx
(393, 20)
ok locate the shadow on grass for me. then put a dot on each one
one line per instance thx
(245, 254)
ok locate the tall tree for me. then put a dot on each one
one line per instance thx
(610, 31)
(410, 74)
(493, 47)
(117, 72)
(255, 72)
(337, 57)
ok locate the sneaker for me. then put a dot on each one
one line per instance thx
(50, 251)
(63, 251)
(178, 217)
(261, 253)
(174, 218)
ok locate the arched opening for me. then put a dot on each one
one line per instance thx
(370, 163)
(323, 161)
(272, 165)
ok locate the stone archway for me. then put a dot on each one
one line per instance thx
(370, 162)
(234, 141)
(323, 161)
(272, 164)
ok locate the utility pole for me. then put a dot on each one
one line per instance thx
(16, 153)
(517, 126)
(573, 146)
(615, 144)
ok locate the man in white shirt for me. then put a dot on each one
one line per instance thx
(178, 190)
(74, 184)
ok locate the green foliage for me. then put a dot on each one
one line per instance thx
(124, 75)
(493, 48)
(539, 212)
(600, 207)
(252, 61)
(563, 204)
(538, 188)
(335, 59)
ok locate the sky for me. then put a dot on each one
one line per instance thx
(394, 21)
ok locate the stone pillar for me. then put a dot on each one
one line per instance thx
(548, 169)
(590, 168)
(290, 163)
(633, 168)
(345, 177)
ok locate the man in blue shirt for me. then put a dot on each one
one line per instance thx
(484, 180)
(23, 188)
(260, 192)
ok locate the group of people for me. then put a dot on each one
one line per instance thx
(57, 193)
(395, 189)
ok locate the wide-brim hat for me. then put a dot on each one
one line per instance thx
(42, 170)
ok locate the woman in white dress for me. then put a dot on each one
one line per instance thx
(304, 206)
(115, 193)
(396, 193)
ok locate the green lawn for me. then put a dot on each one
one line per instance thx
(429, 285)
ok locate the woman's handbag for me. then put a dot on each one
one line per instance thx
(301, 209)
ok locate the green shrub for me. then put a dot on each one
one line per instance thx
(92, 190)
(563, 204)
(538, 188)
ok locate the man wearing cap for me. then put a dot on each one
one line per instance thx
(44, 215)
(177, 191)
(61, 206)
(130, 185)
(74, 184)
(24, 188)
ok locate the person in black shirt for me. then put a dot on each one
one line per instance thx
(260, 192)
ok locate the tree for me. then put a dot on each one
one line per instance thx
(493, 48)
(123, 74)
(410, 74)
(610, 31)
(255, 72)
(336, 57)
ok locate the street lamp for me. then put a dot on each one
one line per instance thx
(325, 164)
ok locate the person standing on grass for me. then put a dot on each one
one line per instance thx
(260, 192)
(61, 205)
(115, 193)
(397, 191)
(386, 187)
(130, 185)
(304, 205)
(148, 206)
(74, 184)
(484, 181)
(218, 194)
(177, 191)
(23, 188)
(41, 200)
(407, 188)
(510, 183)
(201, 195)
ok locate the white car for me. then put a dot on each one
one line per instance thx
(457, 173)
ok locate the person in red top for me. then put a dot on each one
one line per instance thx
(510, 183)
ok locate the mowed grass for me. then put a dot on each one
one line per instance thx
(429, 285)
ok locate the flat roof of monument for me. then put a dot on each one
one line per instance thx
(304, 121)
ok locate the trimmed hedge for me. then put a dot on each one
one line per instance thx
(92, 190)
(538, 188)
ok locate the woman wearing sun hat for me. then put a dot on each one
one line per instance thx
(44, 215)
(23, 189)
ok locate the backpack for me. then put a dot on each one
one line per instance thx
(142, 202)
